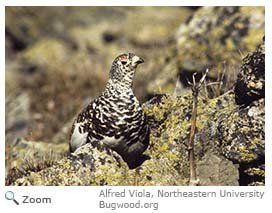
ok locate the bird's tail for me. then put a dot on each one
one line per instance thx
(136, 162)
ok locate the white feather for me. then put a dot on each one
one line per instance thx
(111, 141)
(78, 139)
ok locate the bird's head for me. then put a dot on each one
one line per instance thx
(124, 66)
(127, 61)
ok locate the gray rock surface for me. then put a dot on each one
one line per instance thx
(215, 170)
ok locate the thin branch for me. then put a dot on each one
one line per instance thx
(214, 83)
(195, 87)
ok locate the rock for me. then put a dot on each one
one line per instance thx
(215, 170)
(24, 156)
(242, 135)
(212, 38)
(17, 117)
(168, 149)
(88, 166)
(172, 121)
(250, 84)
(219, 37)
(22, 149)
(255, 175)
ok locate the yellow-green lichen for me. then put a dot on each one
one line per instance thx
(246, 155)
(256, 172)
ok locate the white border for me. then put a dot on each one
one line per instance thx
(2, 96)
(268, 94)
(79, 198)
(136, 3)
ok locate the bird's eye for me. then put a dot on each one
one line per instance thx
(123, 62)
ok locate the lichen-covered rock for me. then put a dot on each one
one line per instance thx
(172, 118)
(25, 155)
(250, 84)
(88, 166)
(212, 38)
(242, 133)
(167, 150)
(256, 175)
(219, 37)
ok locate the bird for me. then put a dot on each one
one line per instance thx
(116, 118)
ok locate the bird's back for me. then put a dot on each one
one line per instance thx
(117, 121)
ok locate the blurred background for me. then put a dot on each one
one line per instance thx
(58, 58)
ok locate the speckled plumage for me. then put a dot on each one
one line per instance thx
(115, 118)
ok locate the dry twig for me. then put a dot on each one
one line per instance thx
(195, 91)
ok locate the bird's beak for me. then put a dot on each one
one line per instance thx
(140, 61)
(137, 60)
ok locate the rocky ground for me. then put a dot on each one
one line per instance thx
(57, 59)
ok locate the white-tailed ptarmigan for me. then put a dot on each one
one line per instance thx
(115, 118)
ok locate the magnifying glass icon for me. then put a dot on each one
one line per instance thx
(10, 196)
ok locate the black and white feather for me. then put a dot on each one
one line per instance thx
(115, 118)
